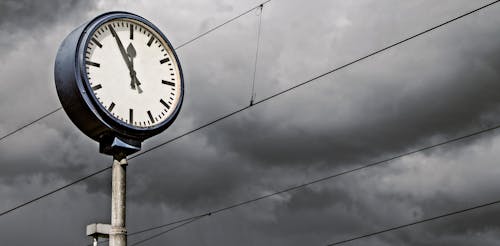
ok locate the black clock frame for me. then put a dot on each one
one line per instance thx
(80, 103)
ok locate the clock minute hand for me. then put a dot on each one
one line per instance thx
(122, 50)
(126, 56)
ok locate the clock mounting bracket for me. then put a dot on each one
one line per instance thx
(118, 146)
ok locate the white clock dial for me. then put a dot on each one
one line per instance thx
(132, 72)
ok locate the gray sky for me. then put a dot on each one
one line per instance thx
(439, 86)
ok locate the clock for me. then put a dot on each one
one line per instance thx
(119, 80)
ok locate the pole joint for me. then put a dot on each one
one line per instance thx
(118, 230)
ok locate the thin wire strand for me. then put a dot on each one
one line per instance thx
(154, 228)
(164, 232)
(415, 223)
(252, 95)
(357, 237)
(188, 133)
(313, 79)
(219, 26)
(30, 123)
(168, 224)
(54, 191)
(59, 108)
(271, 97)
(180, 46)
(296, 187)
(240, 204)
(379, 51)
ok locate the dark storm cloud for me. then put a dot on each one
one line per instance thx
(27, 15)
(440, 92)
(190, 191)
(427, 91)
(435, 87)
(377, 199)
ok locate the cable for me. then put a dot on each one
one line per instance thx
(107, 168)
(164, 232)
(252, 95)
(312, 79)
(296, 187)
(162, 226)
(415, 223)
(193, 219)
(357, 237)
(54, 191)
(31, 123)
(132, 157)
(379, 51)
(219, 26)
(189, 132)
(283, 92)
(183, 44)
(165, 225)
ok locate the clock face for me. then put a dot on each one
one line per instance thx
(132, 72)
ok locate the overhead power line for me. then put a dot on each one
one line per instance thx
(109, 167)
(166, 231)
(186, 221)
(315, 78)
(337, 174)
(363, 236)
(178, 47)
(278, 94)
(300, 186)
(415, 223)
(54, 191)
(193, 219)
(30, 123)
(259, 30)
(221, 25)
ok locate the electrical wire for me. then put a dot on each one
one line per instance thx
(299, 186)
(29, 124)
(53, 191)
(313, 79)
(154, 228)
(351, 170)
(352, 238)
(415, 223)
(166, 231)
(168, 224)
(221, 25)
(178, 47)
(276, 95)
(189, 132)
(189, 220)
(252, 95)
(132, 157)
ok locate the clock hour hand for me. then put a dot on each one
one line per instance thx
(138, 84)
(135, 82)
(133, 75)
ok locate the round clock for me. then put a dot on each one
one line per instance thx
(119, 80)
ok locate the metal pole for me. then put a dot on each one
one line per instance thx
(118, 233)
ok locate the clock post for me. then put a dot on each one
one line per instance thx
(118, 232)
(120, 82)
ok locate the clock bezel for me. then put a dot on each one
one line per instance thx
(114, 137)
(103, 113)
